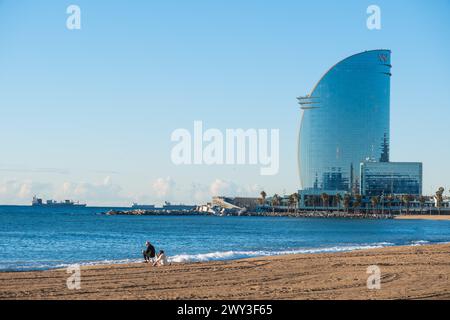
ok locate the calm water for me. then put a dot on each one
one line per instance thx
(41, 238)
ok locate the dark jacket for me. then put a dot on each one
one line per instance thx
(150, 251)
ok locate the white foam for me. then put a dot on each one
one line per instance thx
(419, 242)
(217, 255)
(231, 255)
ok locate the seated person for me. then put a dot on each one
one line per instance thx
(161, 259)
(149, 252)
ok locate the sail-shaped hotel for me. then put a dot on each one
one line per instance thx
(345, 125)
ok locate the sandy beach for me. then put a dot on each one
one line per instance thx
(423, 217)
(415, 272)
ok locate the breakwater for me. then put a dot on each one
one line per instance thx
(298, 214)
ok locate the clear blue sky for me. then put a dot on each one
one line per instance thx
(88, 114)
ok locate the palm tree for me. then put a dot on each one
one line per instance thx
(387, 202)
(338, 199)
(291, 201)
(422, 201)
(399, 199)
(295, 199)
(357, 202)
(325, 198)
(263, 196)
(439, 198)
(347, 200)
(406, 199)
(374, 201)
(275, 201)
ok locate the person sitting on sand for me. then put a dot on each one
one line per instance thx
(149, 252)
(161, 259)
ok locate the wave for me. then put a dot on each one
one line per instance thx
(211, 256)
(419, 242)
(233, 255)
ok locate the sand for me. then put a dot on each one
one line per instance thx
(423, 217)
(415, 272)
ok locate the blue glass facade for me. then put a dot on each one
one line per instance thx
(379, 178)
(345, 121)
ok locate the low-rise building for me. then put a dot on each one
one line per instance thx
(396, 178)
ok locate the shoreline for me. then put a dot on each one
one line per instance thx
(411, 272)
(305, 251)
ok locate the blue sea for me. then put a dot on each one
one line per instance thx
(44, 238)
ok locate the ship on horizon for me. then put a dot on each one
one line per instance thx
(166, 207)
(37, 202)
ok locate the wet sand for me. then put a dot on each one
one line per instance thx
(415, 272)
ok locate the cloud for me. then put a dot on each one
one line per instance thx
(107, 192)
(199, 193)
(14, 191)
(163, 187)
(221, 187)
(103, 192)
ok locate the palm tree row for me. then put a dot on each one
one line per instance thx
(356, 201)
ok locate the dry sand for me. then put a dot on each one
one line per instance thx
(420, 272)
(423, 217)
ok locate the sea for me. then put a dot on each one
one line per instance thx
(39, 238)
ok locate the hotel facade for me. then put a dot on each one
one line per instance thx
(344, 132)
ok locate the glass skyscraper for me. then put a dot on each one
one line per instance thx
(345, 122)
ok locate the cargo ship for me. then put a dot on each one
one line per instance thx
(52, 203)
(167, 207)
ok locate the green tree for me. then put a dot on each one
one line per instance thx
(338, 199)
(291, 202)
(388, 202)
(439, 198)
(325, 198)
(374, 201)
(422, 201)
(406, 199)
(399, 200)
(357, 201)
(263, 196)
(295, 200)
(275, 201)
(347, 200)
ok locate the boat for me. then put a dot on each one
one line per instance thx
(167, 207)
(37, 202)
(137, 206)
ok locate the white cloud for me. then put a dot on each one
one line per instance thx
(14, 191)
(199, 193)
(164, 187)
(104, 192)
(221, 187)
